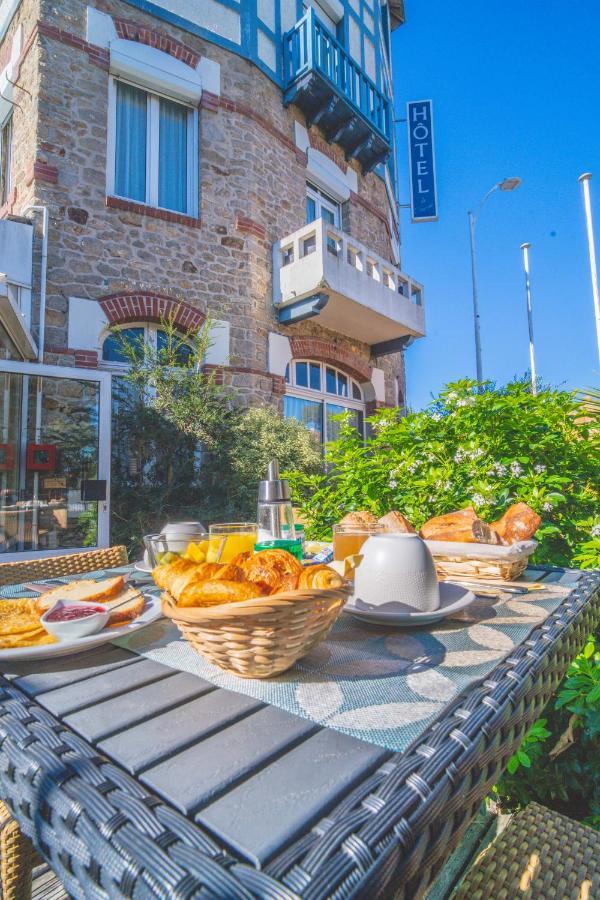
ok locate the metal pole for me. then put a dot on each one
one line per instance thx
(525, 249)
(478, 364)
(585, 184)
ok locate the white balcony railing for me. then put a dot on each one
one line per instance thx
(368, 298)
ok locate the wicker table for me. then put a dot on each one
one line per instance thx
(134, 780)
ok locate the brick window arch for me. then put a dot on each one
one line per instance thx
(141, 34)
(328, 351)
(149, 307)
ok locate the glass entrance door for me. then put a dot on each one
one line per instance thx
(54, 452)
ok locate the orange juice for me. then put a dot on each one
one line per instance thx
(348, 539)
(229, 545)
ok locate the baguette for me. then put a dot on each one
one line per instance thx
(463, 526)
(519, 523)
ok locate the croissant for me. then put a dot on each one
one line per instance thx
(286, 583)
(267, 568)
(166, 571)
(321, 577)
(212, 593)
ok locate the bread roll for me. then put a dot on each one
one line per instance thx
(463, 525)
(395, 523)
(362, 518)
(519, 523)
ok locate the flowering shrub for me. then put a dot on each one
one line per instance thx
(483, 447)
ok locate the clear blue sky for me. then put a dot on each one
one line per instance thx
(516, 91)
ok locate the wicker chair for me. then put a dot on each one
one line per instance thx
(17, 855)
(540, 855)
(55, 566)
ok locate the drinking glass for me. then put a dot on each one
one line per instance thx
(348, 539)
(227, 539)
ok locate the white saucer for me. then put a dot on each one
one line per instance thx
(141, 566)
(452, 598)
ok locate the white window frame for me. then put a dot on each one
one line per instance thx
(152, 148)
(7, 123)
(322, 396)
(323, 201)
(151, 330)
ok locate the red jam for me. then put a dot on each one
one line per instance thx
(68, 613)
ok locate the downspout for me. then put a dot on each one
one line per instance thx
(42, 321)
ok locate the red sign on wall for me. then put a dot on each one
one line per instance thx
(41, 457)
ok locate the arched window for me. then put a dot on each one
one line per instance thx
(316, 392)
(112, 347)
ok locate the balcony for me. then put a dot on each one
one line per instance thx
(335, 93)
(319, 270)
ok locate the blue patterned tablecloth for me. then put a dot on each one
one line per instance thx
(383, 685)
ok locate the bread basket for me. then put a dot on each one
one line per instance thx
(261, 637)
(481, 562)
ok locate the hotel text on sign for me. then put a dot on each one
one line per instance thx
(421, 157)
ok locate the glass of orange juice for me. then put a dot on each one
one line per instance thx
(348, 539)
(227, 539)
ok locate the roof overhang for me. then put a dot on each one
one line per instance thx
(397, 17)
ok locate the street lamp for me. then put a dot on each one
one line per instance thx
(525, 248)
(509, 184)
(585, 184)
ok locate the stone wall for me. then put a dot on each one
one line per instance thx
(252, 192)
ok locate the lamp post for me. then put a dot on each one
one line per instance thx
(509, 184)
(585, 184)
(525, 249)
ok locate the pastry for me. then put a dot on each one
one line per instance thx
(395, 523)
(519, 523)
(286, 583)
(321, 577)
(267, 567)
(212, 593)
(362, 518)
(462, 525)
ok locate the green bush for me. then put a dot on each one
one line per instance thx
(558, 762)
(484, 447)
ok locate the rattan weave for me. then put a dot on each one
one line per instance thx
(261, 637)
(540, 855)
(16, 859)
(55, 566)
(106, 836)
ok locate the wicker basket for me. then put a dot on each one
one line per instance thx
(260, 637)
(449, 567)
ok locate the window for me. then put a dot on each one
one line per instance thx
(316, 393)
(320, 206)
(322, 15)
(155, 149)
(112, 349)
(5, 159)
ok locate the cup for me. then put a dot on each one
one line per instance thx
(397, 569)
(171, 529)
(348, 539)
(227, 539)
(193, 544)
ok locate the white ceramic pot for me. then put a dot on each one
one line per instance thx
(397, 568)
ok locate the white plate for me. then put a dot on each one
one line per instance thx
(151, 613)
(142, 566)
(452, 598)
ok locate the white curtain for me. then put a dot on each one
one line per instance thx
(130, 152)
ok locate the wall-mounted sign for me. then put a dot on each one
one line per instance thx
(41, 457)
(421, 160)
(58, 482)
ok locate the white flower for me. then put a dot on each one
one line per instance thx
(461, 402)
(477, 500)
(596, 531)
(436, 417)
(393, 483)
(547, 507)
(459, 455)
(515, 468)
(412, 468)
(452, 395)
(475, 454)
(539, 468)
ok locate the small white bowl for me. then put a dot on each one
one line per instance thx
(397, 568)
(71, 629)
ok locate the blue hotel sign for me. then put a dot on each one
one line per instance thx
(421, 156)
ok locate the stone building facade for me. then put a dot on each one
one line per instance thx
(263, 131)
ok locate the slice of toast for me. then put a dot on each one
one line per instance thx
(130, 604)
(84, 591)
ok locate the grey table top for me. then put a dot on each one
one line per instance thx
(253, 775)
(260, 780)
